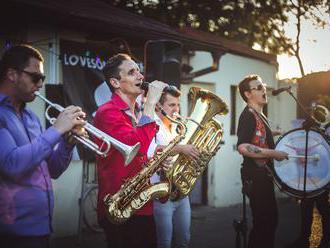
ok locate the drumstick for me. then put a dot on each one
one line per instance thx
(314, 157)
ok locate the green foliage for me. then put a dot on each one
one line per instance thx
(246, 21)
(249, 22)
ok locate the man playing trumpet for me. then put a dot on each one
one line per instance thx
(29, 155)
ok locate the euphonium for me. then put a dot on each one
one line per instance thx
(128, 152)
(137, 191)
(205, 133)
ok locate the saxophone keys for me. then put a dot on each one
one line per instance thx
(126, 213)
(136, 203)
(144, 196)
(117, 213)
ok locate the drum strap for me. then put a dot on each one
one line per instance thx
(260, 137)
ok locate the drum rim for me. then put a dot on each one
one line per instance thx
(297, 129)
(283, 187)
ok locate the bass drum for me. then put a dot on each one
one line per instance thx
(289, 174)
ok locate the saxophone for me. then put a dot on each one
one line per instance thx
(138, 190)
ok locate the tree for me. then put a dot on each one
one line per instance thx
(305, 10)
(247, 22)
(250, 22)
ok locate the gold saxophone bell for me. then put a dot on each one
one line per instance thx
(138, 190)
(127, 151)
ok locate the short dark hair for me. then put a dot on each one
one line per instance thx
(244, 85)
(169, 90)
(17, 57)
(111, 68)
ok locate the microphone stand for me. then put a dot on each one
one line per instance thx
(306, 125)
(241, 226)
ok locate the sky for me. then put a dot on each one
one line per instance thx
(315, 50)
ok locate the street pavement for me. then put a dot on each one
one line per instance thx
(211, 228)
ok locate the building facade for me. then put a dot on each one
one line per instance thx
(109, 28)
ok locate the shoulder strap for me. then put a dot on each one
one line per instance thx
(260, 135)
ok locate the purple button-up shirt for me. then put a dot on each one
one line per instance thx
(29, 158)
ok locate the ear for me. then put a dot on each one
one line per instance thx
(11, 74)
(247, 94)
(115, 83)
(158, 107)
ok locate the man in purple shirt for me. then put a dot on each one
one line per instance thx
(29, 155)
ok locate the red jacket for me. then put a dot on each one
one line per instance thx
(115, 119)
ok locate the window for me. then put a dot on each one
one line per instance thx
(233, 105)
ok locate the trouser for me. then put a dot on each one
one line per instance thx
(139, 232)
(259, 187)
(322, 205)
(172, 220)
(7, 241)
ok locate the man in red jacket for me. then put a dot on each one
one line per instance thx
(122, 118)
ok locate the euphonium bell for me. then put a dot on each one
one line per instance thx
(128, 152)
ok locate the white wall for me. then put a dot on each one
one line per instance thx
(286, 108)
(67, 190)
(224, 184)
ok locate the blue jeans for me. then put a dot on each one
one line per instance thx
(172, 221)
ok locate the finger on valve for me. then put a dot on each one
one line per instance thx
(69, 118)
(167, 163)
(80, 131)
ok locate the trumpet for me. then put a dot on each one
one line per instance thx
(127, 151)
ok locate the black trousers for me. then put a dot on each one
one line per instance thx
(323, 206)
(137, 232)
(24, 241)
(259, 187)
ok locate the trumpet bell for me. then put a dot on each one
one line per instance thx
(129, 152)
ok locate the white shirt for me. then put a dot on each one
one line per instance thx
(163, 137)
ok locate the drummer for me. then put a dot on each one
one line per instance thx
(256, 144)
(322, 204)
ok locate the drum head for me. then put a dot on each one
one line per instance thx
(289, 174)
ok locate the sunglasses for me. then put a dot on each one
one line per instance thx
(259, 87)
(35, 76)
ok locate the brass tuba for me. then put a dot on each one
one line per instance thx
(205, 133)
(137, 191)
